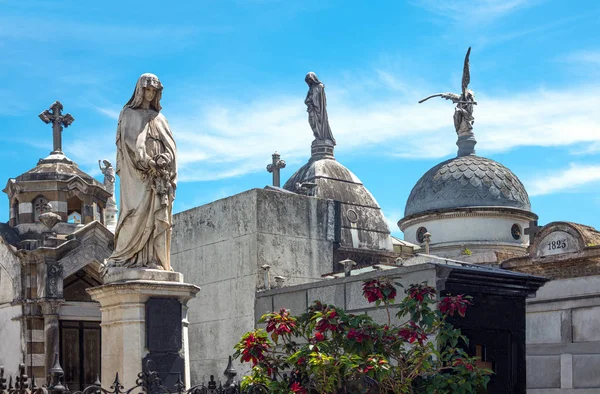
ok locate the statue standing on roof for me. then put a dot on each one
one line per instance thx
(316, 103)
(109, 175)
(463, 113)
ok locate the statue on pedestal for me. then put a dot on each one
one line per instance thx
(146, 165)
(316, 103)
(463, 113)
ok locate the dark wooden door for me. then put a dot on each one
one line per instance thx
(80, 352)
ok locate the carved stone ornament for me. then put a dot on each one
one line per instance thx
(54, 280)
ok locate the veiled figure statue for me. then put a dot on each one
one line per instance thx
(316, 103)
(146, 165)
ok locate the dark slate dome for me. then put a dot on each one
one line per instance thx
(467, 181)
(335, 182)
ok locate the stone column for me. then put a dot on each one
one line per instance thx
(50, 310)
(124, 300)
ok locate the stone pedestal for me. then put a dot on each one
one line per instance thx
(110, 214)
(124, 301)
(322, 149)
(466, 145)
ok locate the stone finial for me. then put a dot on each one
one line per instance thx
(279, 280)
(348, 264)
(276, 165)
(266, 279)
(49, 218)
(427, 237)
(54, 115)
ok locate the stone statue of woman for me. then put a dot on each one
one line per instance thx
(146, 165)
(109, 175)
(316, 103)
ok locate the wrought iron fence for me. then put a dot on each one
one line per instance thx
(147, 382)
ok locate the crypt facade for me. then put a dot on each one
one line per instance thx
(51, 251)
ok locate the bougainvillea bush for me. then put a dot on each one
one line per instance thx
(327, 350)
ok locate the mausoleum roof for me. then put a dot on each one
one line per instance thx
(56, 167)
(363, 225)
(467, 181)
(334, 181)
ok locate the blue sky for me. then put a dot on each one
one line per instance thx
(233, 73)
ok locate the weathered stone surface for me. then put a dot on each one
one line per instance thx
(221, 247)
(114, 275)
(332, 295)
(295, 302)
(123, 306)
(338, 183)
(586, 324)
(543, 372)
(585, 370)
(544, 327)
(468, 181)
(10, 336)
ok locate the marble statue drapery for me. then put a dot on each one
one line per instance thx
(146, 165)
(316, 103)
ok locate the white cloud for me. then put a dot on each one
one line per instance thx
(582, 57)
(110, 112)
(468, 11)
(568, 179)
(235, 138)
(227, 138)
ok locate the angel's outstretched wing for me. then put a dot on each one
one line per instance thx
(455, 98)
(466, 73)
(448, 96)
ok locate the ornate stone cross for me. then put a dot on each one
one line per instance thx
(532, 230)
(58, 120)
(275, 168)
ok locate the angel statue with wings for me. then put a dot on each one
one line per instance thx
(463, 114)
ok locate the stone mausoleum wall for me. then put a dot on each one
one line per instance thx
(563, 337)
(222, 246)
(344, 293)
(10, 322)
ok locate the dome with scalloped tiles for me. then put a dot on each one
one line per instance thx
(467, 181)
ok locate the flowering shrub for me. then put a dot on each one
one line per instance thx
(327, 350)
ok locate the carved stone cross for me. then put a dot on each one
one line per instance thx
(58, 120)
(275, 168)
(532, 230)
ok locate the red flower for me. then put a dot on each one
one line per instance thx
(357, 335)
(379, 290)
(449, 305)
(319, 336)
(281, 323)
(297, 388)
(420, 292)
(253, 348)
(413, 333)
(328, 322)
(462, 362)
